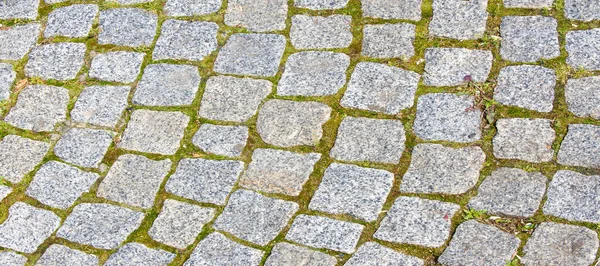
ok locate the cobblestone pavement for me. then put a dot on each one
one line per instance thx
(299, 132)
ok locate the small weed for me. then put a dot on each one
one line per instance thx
(514, 262)
(474, 214)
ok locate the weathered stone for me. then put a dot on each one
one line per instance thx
(510, 192)
(179, 223)
(528, 3)
(154, 131)
(288, 123)
(438, 169)
(278, 171)
(139, 254)
(574, 196)
(134, 180)
(323, 232)
(233, 99)
(313, 73)
(21, 9)
(389, 40)
(221, 140)
(59, 185)
(380, 88)
(57, 255)
(529, 38)
(18, 156)
(39, 108)
(583, 96)
(83, 146)
(74, 21)
(8, 258)
(456, 66)
(251, 54)
(127, 26)
(526, 86)
(27, 227)
(392, 9)
(581, 146)
(525, 139)
(459, 19)
(257, 15)
(117, 66)
(310, 32)
(17, 41)
(583, 47)
(167, 85)
(254, 217)
(101, 105)
(285, 254)
(583, 10)
(180, 8)
(475, 243)
(216, 249)
(4, 191)
(204, 180)
(60, 61)
(189, 40)
(374, 254)
(7, 78)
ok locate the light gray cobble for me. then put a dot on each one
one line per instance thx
(101, 105)
(18, 156)
(456, 66)
(179, 223)
(251, 54)
(83, 146)
(257, 15)
(573, 196)
(60, 61)
(117, 66)
(131, 27)
(186, 8)
(458, 19)
(189, 40)
(389, 40)
(312, 32)
(227, 141)
(18, 40)
(7, 78)
(216, 249)
(285, 254)
(323, 232)
(392, 9)
(583, 96)
(39, 108)
(167, 85)
(313, 73)
(27, 227)
(529, 38)
(154, 131)
(57, 255)
(74, 21)
(526, 86)
(583, 47)
(528, 139)
(139, 254)
(374, 254)
(581, 146)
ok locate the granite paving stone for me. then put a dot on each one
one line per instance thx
(131, 27)
(321, 4)
(582, 10)
(389, 40)
(374, 254)
(134, 180)
(74, 21)
(101, 105)
(583, 47)
(285, 254)
(59, 185)
(349, 189)
(4, 191)
(27, 227)
(392, 9)
(154, 131)
(323, 232)
(528, 3)
(167, 85)
(529, 38)
(279, 171)
(186, 8)
(57, 255)
(83, 146)
(314, 32)
(39, 108)
(60, 61)
(313, 73)
(459, 19)
(227, 141)
(581, 146)
(216, 249)
(119, 66)
(9, 258)
(21, 9)
(204, 180)
(251, 54)
(380, 88)
(289, 123)
(257, 15)
(456, 66)
(574, 196)
(526, 139)
(188, 40)
(435, 168)
(362, 139)
(7, 78)
(19, 156)
(139, 254)
(18, 40)
(179, 223)
(583, 96)
(254, 217)
(526, 86)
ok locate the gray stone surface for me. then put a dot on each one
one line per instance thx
(179, 223)
(39, 108)
(18, 156)
(189, 40)
(392, 9)
(83, 146)
(59, 185)
(180, 8)
(528, 3)
(581, 146)
(454, 66)
(254, 217)
(74, 21)
(323, 232)
(362, 139)
(380, 88)
(7, 78)
(233, 99)
(134, 180)
(583, 10)
(251, 54)
(321, 4)
(438, 169)
(127, 26)
(101, 105)
(475, 243)
(312, 32)
(389, 40)
(4, 191)
(60, 61)
(257, 15)
(574, 196)
(418, 221)
(26, 227)
(526, 86)
(560, 244)
(510, 192)
(446, 116)
(313, 73)
(167, 85)
(18, 40)
(527, 139)
(583, 47)
(119, 66)
(529, 38)
(374, 254)
(278, 171)
(204, 180)
(9, 258)
(583, 96)
(289, 123)
(21, 9)
(221, 140)
(285, 254)
(57, 255)
(459, 19)
(216, 249)
(132, 254)
(154, 131)
(82, 227)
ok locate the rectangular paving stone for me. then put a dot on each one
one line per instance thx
(529, 38)
(134, 180)
(459, 19)
(188, 40)
(574, 196)
(9, 258)
(526, 86)
(167, 85)
(312, 32)
(18, 156)
(186, 8)
(139, 254)
(131, 27)
(456, 66)
(389, 40)
(583, 48)
(59, 185)
(178, 223)
(582, 10)
(527, 139)
(581, 146)
(227, 141)
(101, 105)
(528, 3)
(278, 171)
(119, 66)
(285, 254)
(59, 61)
(39, 108)
(203, 180)
(21, 9)
(323, 232)
(154, 131)
(251, 54)
(216, 249)
(257, 15)
(374, 254)
(583, 96)
(56, 255)
(27, 227)
(321, 4)
(313, 73)
(74, 21)
(18, 40)
(7, 78)
(83, 146)
(392, 9)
